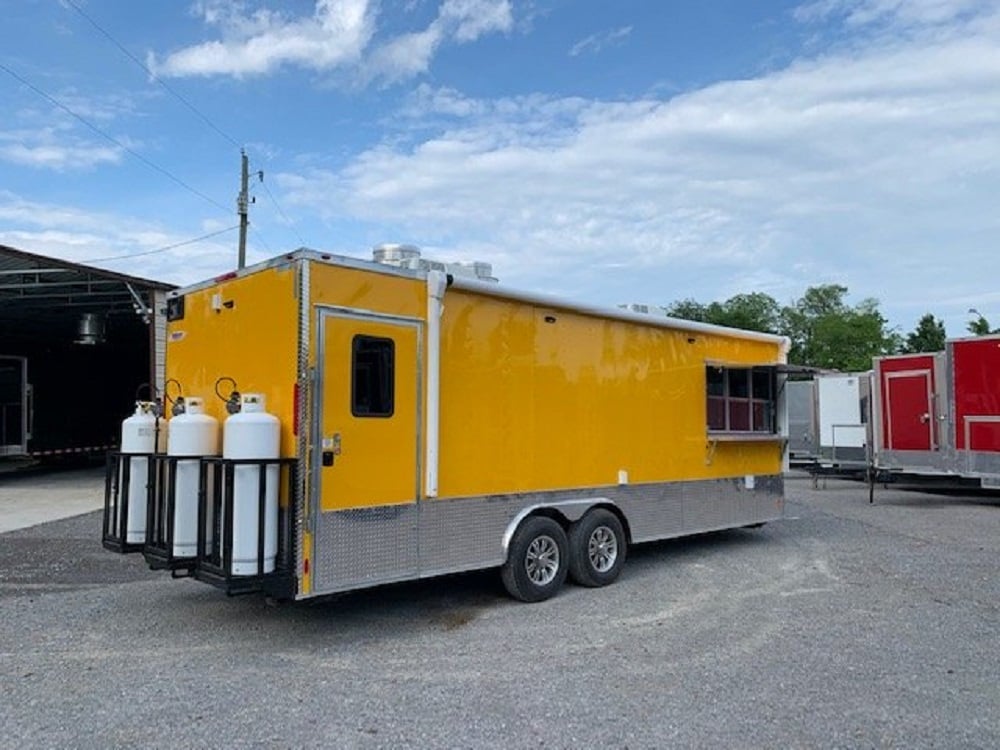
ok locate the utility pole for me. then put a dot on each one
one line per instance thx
(242, 205)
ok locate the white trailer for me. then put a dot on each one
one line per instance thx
(842, 418)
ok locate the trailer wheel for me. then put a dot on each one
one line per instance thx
(536, 560)
(597, 548)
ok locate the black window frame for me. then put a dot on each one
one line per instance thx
(382, 381)
(748, 393)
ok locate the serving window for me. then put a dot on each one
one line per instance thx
(741, 399)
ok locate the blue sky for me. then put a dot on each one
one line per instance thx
(604, 151)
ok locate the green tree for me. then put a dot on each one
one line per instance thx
(980, 326)
(755, 311)
(826, 332)
(928, 336)
(688, 309)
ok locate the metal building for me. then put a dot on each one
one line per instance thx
(76, 343)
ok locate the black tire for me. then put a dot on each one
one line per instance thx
(537, 560)
(597, 548)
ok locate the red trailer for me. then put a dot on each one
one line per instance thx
(908, 405)
(939, 414)
(975, 382)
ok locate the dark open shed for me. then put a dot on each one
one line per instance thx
(76, 345)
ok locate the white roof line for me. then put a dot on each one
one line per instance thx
(499, 290)
(495, 290)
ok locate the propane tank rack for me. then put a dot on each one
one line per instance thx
(211, 557)
(215, 557)
(118, 500)
(160, 547)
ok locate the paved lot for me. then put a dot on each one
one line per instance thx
(845, 625)
(31, 497)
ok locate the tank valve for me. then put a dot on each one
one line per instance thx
(233, 405)
(178, 407)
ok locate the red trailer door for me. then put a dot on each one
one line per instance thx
(908, 410)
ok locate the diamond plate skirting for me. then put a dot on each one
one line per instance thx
(365, 547)
(369, 546)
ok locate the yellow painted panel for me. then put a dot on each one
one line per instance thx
(537, 399)
(367, 291)
(377, 460)
(251, 337)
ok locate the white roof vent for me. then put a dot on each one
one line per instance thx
(394, 254)
(408, 256)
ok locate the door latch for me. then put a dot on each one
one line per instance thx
(331, 448)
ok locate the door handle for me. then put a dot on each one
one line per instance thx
(331, 449)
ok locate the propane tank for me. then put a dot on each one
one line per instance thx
(253, 433)
(142, 433)
(194, 434)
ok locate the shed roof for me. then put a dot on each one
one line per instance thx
(37, 291)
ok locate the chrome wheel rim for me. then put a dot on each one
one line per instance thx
(602, 549)
(542, 560)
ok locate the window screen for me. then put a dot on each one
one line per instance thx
(372, 376)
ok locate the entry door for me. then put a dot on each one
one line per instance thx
(910, 410)
(13, 406)
(366, 449)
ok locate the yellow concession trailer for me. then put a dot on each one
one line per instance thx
(431, 424)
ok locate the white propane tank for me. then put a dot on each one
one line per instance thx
(139, 436)
(192, 433)
(253, 433)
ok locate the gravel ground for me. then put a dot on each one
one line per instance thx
(845, 625)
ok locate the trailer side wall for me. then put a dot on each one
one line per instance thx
(550, 399)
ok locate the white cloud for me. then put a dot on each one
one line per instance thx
(897, 12)
(52, 148)
(58, 157)
(255, 43)
(100, 108)
(79, 235)
(472, 19)
(866, 167)
(47, 137)
(405, 56)
(339, 35)
(598, 42)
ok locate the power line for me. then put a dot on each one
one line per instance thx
(291, 223)
(114, 140)
(164, 249)
(201, 115)
(151, 74)
(260, 239)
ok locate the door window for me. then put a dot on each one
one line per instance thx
(372, 376)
